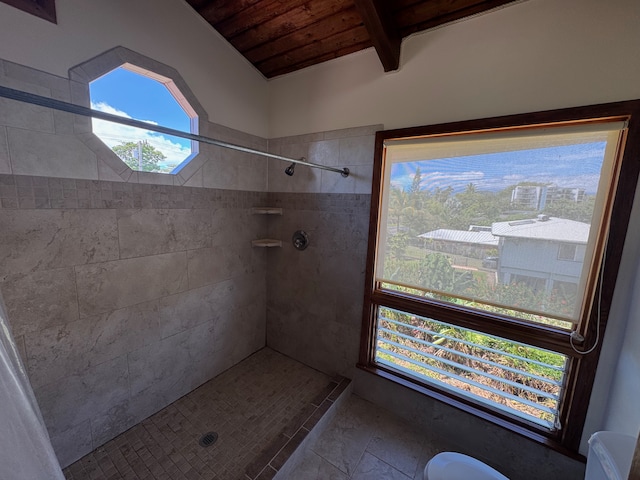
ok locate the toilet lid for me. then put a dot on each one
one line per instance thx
(456, 466)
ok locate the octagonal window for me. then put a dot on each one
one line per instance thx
(133, 92)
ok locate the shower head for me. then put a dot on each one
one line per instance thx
(289, 169)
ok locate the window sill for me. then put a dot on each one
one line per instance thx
(472, 410)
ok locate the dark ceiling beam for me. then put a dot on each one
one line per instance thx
(384, 35)
(42, 8)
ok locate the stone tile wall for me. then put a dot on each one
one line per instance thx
(314, 308)
(124, 297)
(351, 148)
(315, 295)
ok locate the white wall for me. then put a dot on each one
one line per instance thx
(622, 413)
(534, 55)
(232, 92)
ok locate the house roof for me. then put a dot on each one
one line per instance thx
(462, 236)
(545, 228)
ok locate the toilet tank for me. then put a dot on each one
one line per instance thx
(610, 456)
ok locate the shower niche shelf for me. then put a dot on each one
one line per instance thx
(266, 211)
(266, 242)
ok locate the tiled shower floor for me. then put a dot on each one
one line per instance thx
(256, 408)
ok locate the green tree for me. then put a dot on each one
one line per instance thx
(399, 205)
(151, 157)
(578, 211)
(397, 244)
(435, 272)
(415, 183)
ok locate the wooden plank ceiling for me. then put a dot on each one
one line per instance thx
(281, 36)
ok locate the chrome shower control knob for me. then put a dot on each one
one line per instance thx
(300, 240)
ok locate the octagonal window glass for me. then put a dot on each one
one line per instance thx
(133, 92)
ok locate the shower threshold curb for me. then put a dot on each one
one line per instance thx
(285, 453)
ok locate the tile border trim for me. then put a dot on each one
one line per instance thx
(275, 455)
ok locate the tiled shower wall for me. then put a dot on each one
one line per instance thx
(120, 311)
(122, 296)
(314, 296)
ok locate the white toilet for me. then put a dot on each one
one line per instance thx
(456, 466)
(610, 456)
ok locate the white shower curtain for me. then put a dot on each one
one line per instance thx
(25, 450)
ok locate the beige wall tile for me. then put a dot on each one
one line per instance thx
(357, 150)
(155, 178)
(43, 154)
(25, 116)
(40, 299)
(164, 369)
(32, 76)
(60, 351)
(185, 310)
(72, 444)
(112, 285)
(213, 265)
(5, 164)
(144, 232)
(221, 169)
(105, 172)
(48, 239)
(325, 152)
(315, 296)
(68, 402)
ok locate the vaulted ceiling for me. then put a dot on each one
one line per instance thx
(281, 36)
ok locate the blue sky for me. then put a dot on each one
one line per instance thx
(576, 165)
(131, 95)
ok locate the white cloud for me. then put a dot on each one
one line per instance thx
(457, 180)
(113, 134)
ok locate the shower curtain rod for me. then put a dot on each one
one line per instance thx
(89, 112)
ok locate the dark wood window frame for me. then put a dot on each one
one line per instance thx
(45, 9)
(581, 369)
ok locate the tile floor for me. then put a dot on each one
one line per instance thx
(261, 409)
(250, 406)
(364, 441)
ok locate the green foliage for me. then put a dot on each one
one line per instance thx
(415, 183)
(457, 350)
(397, 245)
(418, 211)
(436, 273)
(151, 157)
(579, 211)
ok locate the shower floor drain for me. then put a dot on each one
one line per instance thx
(208, 439)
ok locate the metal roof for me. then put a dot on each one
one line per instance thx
(462, 236)
(545, 228)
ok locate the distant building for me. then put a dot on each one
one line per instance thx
(544, 253)
(529, 197)
(477, 242)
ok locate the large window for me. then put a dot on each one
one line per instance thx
(493, 258)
